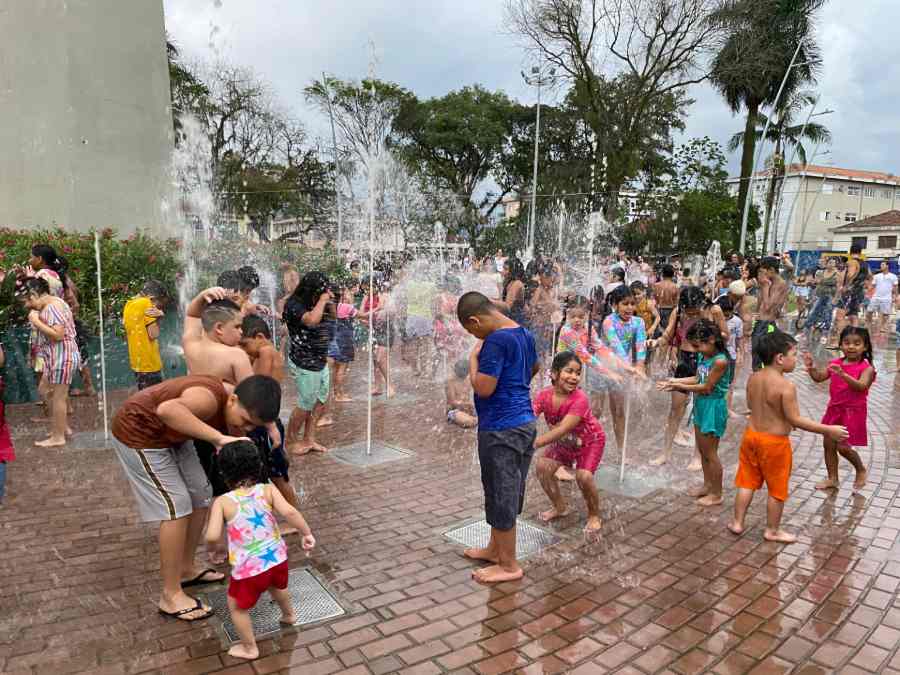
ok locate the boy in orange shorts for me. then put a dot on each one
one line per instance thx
(766, 457)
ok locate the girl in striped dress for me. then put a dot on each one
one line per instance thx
(58, 350)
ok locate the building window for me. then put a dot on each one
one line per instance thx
(828, 188)
(862, 242)
(886, 194)
(888, 241)
(849, 217)
(869, 192)
(825, 215)
(853, 190)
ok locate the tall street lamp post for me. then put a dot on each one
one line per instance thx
(538, 79)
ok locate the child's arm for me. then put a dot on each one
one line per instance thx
(791, 410)
(314, 316)
(55, 333)
(862, 384)
(484, 385)
(2, 357)
(193, 327)
(715, 374)
(816, 374)
(216, 522)
(568, 424)
(640, 343)
(675, 383)
(656, 317)
(186, 413)
(292, 516)
(266, 363)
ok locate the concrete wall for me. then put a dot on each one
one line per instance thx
(86, 132)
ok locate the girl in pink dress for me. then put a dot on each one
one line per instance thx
(850, 378)
(575, 438)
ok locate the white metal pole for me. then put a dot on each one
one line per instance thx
(102, 342)
(759, 149)
(537, 134)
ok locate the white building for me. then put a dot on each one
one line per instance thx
(814, 200)
(86, 137)
(877, 235)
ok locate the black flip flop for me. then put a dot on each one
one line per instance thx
(198, 580)
(181, 612)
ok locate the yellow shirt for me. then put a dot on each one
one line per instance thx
(143, 353)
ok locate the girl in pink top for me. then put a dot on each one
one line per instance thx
(850, 378)
(575, 438)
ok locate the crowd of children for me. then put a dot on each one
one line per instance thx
(183, 442)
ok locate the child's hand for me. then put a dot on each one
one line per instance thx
(216, 293)
(808, 360)
(308, 543)
(835, 368)
(154, 313)
(224, 440)
(837, 433)
(275, 436)
(34, 316)
(664, 386)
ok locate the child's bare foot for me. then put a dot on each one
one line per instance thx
(779, 536)
(684, 438)
(325, 421)
(562, 473)
(343, 399)
(391, 392)
(710, 500)
(481, 554)
(376, 392)
(695, 465)
(239, 651)
(318, 447)
(734, 528)
(827, 484)
(495, 574)
(861, 478)
(701, 491)
(217, 557)
(593, 524)
(51, 442)
(553, 514)
(659, 460)
(288, 619)
(299, 448)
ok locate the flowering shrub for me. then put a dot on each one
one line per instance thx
(126, 265)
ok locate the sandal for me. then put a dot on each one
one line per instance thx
(181, 612)
(200, 581)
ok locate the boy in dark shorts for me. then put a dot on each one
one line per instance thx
(256, 340)
(153, 435)
(500, 370)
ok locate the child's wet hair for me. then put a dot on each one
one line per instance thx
(772, 344)
(619, 294)
(725, 304)
(230, 280)
(638, 286)
(218, 311)
(473, 304)
(703, 330)
(261, 396)
(310, 289)
(240, 463)
(253, 326)
(461, 369)
(863, 334)
(563, 359)
(249, 278)
(691, 297)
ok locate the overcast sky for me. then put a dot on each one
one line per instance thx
(434, 46)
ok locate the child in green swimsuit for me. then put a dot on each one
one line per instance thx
(710, 388)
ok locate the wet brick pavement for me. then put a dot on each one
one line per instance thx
(666, 589)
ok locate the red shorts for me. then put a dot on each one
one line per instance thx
(247, 591)
(586, 458)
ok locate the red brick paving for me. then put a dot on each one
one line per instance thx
(666, 590)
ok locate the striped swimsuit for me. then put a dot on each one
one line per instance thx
(61, 358)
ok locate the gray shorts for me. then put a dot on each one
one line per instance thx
(168, 483)
(505, 457)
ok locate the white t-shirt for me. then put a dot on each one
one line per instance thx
(884, 285)
(735, 330)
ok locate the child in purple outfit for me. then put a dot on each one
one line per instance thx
(850, 378)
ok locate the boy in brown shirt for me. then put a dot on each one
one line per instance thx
(766, 455)
(152, 436)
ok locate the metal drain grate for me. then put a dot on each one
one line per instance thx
(530, 539)
(635, 485)
(312, 602)
(356, 455)
(88, 440)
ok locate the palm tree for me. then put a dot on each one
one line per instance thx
(784, 134)
(758, 40)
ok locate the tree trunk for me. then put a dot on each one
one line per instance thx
(770, 195)
(747, 153)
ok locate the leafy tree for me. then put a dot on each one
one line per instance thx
(188, 93)
(784, 133)
(757, 42)
(461, 140)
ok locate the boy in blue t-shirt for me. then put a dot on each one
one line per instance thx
(500, 370)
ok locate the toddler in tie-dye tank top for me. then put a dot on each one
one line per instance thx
(256, 550)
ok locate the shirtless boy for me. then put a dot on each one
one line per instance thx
(665, 292)
(256, 341)
(212, 333)
(773, 291)
(766, 457)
